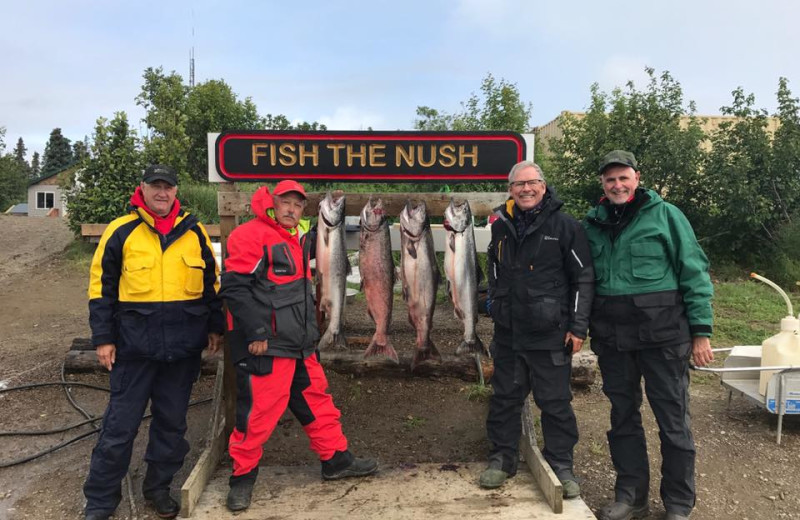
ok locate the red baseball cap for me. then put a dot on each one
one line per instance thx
(287, 186)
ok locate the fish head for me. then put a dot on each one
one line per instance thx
(373, 214)
(331, 209)
(414, 218)
(458, 215)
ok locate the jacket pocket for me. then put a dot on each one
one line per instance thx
(600, 270)
(648, 260)
(195, 327)
(193, 284)
(601, 327)
(288, 316)
(134, 333)
(544, 314)
(660, 316)
(137, 273)
(501, 310)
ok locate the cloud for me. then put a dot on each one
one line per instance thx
(351, 118)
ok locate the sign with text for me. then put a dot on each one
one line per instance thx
(368, 156)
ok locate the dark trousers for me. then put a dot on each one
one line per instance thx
(546, 373)
(167, 385)
(666, 381)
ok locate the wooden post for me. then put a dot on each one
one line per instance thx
(228, 221)
(541, 470)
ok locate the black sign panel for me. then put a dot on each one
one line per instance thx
(368, 156)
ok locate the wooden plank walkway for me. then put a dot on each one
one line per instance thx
(441, 491)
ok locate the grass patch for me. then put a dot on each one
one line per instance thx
(78, 255)
(745, 313)
(412, 423)
(479, 392)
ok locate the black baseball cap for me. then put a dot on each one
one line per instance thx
(618, 157)
(160, 172)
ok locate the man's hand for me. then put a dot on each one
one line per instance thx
(214, 342)
(701, 351)
(577, 342)
(106, 355)
(257, 348)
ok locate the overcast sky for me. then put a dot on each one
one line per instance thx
(356, 64)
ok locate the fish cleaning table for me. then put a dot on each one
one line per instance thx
(441, 491)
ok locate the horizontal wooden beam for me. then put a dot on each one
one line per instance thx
(93, 232)
(236, 204)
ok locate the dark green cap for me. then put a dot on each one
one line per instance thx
(618, 157)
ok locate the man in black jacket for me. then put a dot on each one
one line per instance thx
(541, 284)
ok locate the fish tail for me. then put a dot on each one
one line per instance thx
(334, 340)
(381, 349)
(474, 346)
(428, 352)
(340, 341)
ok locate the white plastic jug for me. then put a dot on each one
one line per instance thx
(782, 349)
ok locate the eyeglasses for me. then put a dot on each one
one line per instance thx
(521, 184)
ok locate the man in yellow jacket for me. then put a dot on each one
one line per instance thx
(153, 308)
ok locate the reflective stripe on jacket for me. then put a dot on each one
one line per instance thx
(151, 295)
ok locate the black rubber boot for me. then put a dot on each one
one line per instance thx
(623, 511)
(241, 491)
(165, 505)
(343, 465)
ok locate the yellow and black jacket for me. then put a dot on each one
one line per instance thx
(154, 296)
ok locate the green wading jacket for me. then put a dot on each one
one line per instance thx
(652, 286)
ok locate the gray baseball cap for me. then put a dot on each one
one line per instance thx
(618, 157)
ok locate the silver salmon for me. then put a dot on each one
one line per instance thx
(332, 268)
(376, 266)
(420, 277)
(462, 272)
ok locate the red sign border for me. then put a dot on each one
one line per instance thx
(514, 137)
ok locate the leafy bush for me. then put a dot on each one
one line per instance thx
(200, 200)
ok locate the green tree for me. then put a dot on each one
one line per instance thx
(738, 188)
(57, 153)
(102, 188)
(13, 178)
(36, 168)
(498, 107)
(646, 122)
(80, 150)
(164, 98)
(212, 107)
(20, 151)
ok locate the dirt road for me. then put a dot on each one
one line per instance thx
(741, 473)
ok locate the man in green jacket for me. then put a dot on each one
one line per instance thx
(651, 312)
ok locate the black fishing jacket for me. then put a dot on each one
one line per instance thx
(541, 284)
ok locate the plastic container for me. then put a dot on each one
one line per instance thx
(782, 349)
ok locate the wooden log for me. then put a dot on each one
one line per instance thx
(353, 362)
(481, 203)
(542, 472)
(81, 358)
(584, 368)
(86, 361)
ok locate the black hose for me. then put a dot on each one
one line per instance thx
(53, 383)
(89, 418)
